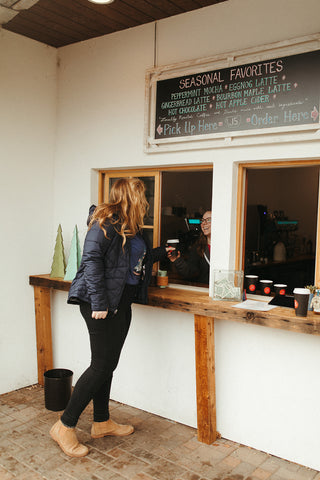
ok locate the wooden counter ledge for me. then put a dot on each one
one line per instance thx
(205, 311)
(199, 303)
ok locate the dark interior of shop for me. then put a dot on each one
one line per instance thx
(186, 196)
(281, 224)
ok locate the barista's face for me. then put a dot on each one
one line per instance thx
(206, 223)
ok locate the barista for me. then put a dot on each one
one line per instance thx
(197, 266)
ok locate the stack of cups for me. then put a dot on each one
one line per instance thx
(301, 300)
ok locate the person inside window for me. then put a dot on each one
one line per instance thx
(197, 266)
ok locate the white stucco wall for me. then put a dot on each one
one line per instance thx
(27, 132)
(266, 380)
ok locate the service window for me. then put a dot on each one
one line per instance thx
(178, 197)
(280, 222)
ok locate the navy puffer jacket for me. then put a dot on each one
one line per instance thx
(104, 268)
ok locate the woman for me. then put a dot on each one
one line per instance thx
(115, 270)
(197, 266)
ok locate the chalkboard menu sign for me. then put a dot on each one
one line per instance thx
(282, 92)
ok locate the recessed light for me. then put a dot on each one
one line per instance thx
(101, 1)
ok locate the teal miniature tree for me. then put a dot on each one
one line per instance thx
(74, 256)
(58, 266)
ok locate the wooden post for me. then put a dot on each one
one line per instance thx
(205, 378)
(43, 330)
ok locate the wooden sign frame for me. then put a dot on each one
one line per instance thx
(218, 62)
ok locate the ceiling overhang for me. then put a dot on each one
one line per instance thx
(63, 22)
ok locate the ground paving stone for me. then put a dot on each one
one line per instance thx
(207, 454)
(128, 465)
(30, 475)
(250, 455)
(158, 450)
(272, 464)
(142, 476)
(190, 476)
(145, 455)
(5, 475)
(165, 470)
(230, 462)
(260, 474)
(100, 458)
(80, 468)
(299, 474)
(56, 475)
(245, 469)
(105, 474)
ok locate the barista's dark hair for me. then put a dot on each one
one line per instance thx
(201, 244)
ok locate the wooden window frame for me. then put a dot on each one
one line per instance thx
(105, 175)
(242, 202)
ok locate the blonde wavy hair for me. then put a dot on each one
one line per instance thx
(127, 208)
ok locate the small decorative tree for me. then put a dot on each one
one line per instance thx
(74, 256)
(58, 266)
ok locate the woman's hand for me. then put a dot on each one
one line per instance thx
(172, 254)
(101, 314)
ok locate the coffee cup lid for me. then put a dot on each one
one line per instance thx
(280, 285)
(173, 240)
(301, 291)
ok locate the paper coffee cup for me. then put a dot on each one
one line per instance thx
(301, 300)
(266, 287)
(280, 288)
(251, 282)
(174, 243)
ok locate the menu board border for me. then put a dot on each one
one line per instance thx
(307, 132)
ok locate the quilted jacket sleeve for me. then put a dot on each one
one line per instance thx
(188, 268)
(158, 253)
(94, 251)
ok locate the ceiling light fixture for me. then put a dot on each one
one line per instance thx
(101, 1)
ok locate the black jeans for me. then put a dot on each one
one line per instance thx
(107, 337)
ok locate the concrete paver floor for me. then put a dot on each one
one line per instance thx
(158, 450)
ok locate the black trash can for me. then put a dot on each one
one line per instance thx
(57, 388)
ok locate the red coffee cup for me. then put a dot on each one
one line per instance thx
(251, 282)
(280, 288)
(301, 300)
(266, 287)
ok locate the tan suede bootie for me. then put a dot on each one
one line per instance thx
(67, 440)
(103, 429)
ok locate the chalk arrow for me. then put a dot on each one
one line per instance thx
(159, 129)
(314, 113)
